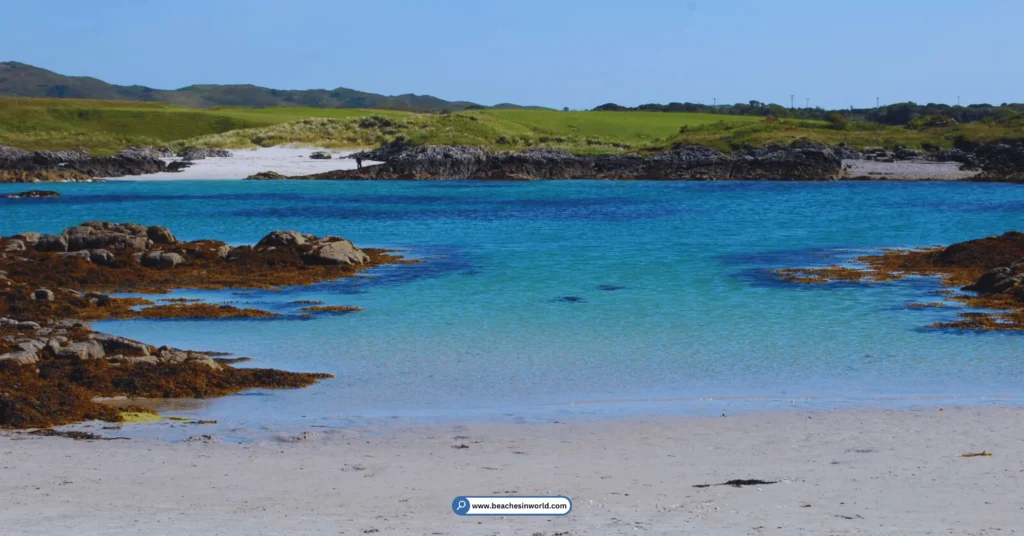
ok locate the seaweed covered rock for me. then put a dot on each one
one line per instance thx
(51, 375)
(1007, 279)
(33, 194)
(984, 253)
(150, 259)
(106, 235)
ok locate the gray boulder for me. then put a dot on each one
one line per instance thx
(160, 259)
(31, 345)
(28, 238)
(121, 345)
(52, 243)
(43, 295)
(282, 238)
(101, 257)
(14, 245)
(144, 152)
(106, 235)
(337, 252)
(320, 155)
(77, 255)
(82, 350)
(1000, 280)
(24, 357)
(166, 354)
(160, 235)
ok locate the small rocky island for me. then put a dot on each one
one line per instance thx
(53, 366)
(989, 272)
(33, 194)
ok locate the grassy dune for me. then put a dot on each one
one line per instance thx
(104, 127)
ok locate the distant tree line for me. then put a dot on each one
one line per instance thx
(894, 114)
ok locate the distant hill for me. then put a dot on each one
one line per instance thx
(21, 80)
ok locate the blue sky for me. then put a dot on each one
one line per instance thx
(553, 53)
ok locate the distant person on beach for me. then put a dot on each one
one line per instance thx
(359, 163)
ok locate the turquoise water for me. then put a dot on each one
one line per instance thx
(544, 300)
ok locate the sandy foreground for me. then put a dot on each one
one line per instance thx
(845, 472)
(286, 160)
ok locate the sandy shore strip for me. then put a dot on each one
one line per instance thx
(906, 170)
(286, 160)
(870, 471)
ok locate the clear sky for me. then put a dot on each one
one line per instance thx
(553, 53)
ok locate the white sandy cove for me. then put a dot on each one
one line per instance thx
(845, 472)
(286, 160)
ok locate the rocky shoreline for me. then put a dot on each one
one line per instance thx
(801, 160)
(989, 272)
(17, 165)
(53, 366)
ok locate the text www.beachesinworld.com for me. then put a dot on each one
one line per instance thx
(505, 506)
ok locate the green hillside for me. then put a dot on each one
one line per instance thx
(21, 80)
(104, 127)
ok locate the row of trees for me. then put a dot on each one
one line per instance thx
(893, 114)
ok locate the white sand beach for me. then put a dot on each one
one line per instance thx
(869, 471)
(286, 160)
(906, 170)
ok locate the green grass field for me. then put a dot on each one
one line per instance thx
(103, 127)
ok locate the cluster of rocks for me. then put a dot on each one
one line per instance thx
(99, 242)
(329, 250)
(96, 242)
(320, 155)
(65, 340)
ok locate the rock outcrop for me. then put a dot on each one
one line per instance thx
(33, 194)
(327, 251)
(199, 153)
(53, 367)
(801, 160)
(335, 251)
(22, 166)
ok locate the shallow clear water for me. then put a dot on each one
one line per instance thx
(549, 299)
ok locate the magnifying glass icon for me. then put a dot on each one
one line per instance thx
(461, 506)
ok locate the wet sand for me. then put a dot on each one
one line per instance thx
(867, 471)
